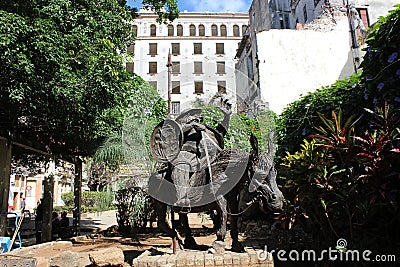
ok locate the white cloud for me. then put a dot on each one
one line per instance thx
(218, 5)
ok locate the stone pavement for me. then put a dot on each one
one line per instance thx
(98, 221)
(159, 257)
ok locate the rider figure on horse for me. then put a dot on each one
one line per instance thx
(201, 144)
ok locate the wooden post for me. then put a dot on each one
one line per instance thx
(77, 195)
(48, 196)
(5, 171)
(175, 238)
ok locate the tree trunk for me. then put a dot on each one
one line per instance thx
(77, 195)
(48, 197)
(5, 171)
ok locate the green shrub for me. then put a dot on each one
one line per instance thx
(134, 209)
(347, 185)
(299, 118)
(68, 198)
(91, 201)
(60, 209)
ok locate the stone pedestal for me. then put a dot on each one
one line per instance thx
(200, 258)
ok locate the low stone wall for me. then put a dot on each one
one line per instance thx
(158, 257)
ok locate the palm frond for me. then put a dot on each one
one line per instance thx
(110, 151)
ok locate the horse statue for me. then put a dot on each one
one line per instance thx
(217, 186)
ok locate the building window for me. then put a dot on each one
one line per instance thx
(192, 30)
(198, 87)
(153, 49)
(130, 50)
(197, 48)
(198, 67)
(176, 48)
(202, 30)
(305, 13)
(236, 31)
(134, 30)
(286, 18)
(176, 87)
(152, 67)
(244, 28)
(179, 30)
(175, 107)
(176, 67)
(221, 87)
(152, 30)
(153, 84)
(130, 67)
(223, 30)
(363, 12)
(220, 67)
(214, 30)
(219, 49)
(170, 30)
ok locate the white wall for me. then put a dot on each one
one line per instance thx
(296, 62)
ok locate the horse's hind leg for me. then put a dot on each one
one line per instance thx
(189, 240)
(221, 233)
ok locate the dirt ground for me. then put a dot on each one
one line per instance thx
(203, 233)
(132, 248)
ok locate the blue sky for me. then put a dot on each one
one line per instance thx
(210, 5)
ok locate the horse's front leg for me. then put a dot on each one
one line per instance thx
(189, 240)
(162, 223)
(221, 233)
(233, 204)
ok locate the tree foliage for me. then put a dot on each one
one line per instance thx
(62, 79)
(131, 144)
(167, 10)
(240, 126)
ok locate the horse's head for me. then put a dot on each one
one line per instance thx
(263, 175)
(264, 183)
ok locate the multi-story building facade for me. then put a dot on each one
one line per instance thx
(202, 49)
(293, 47)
